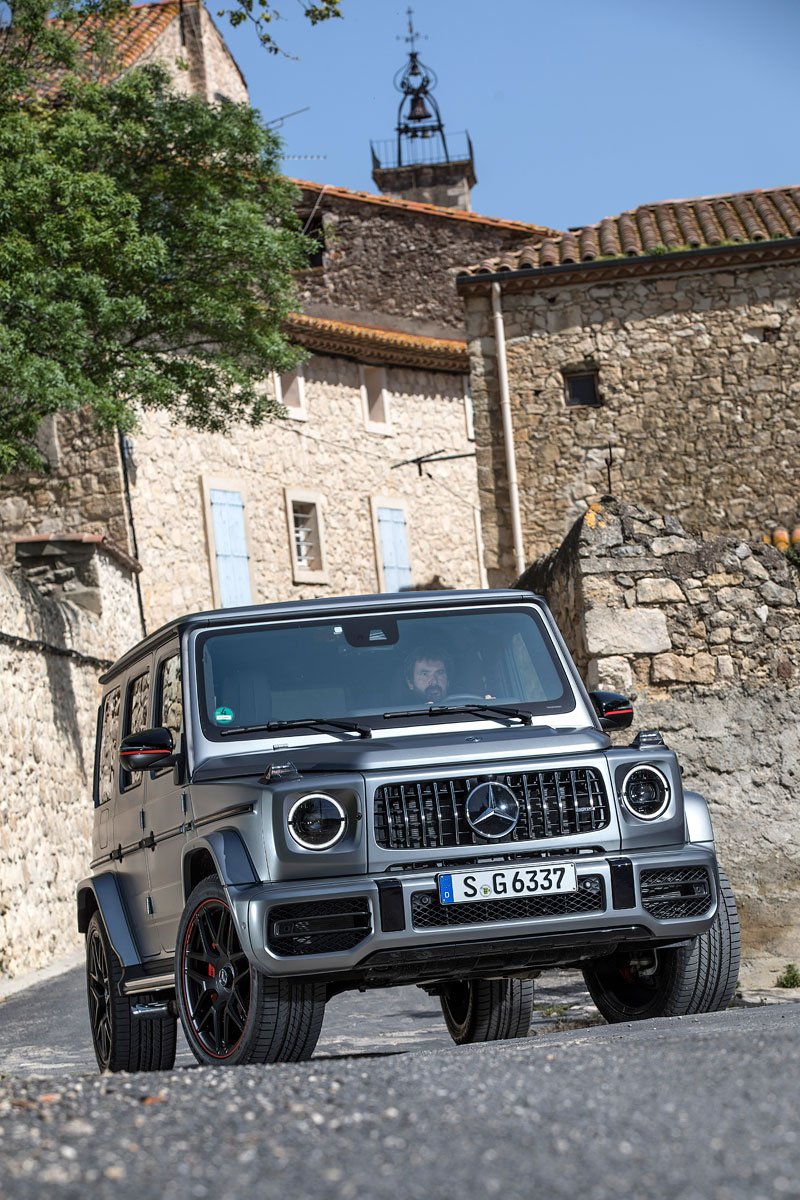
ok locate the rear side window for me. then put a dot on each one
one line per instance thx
(170, 705)
(109, 744)
(136, 718)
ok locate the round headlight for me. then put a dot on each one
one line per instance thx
(317, 821)
(645, 792)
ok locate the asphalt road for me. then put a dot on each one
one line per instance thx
(697, 1108)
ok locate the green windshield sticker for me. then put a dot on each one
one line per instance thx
(223, 715)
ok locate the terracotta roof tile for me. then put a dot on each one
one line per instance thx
(375, 343)
(132, 33)
(657, 229)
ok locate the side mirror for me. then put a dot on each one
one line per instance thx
(614, 711)
(145, 749)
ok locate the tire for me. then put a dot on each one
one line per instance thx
(233, 1014)
(121, 1041)
(487, 1010)
(697, 978)
(621, 993)
(720, 951)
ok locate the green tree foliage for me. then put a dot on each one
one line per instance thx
(147, 241)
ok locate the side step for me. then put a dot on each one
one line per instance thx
(159, 978)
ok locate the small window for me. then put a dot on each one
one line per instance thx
(170, 703)
(136, 719)
(393, 546)
(375, 399)
(290, 390)
(581, 390)
(108, 747)
(304, 512)
(314, 227)
(230, 547)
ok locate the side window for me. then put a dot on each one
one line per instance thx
(290, 390)
(306, 536)
(170, 704)
(375, 399)
(109, 745)
(136, 719)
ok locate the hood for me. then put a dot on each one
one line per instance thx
(423, 752)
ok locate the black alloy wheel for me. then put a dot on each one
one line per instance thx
(122, 1041)
(697, 978)
(232, 1013)
(98, 989)
(215, 979)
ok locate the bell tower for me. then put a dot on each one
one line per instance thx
(420, 162)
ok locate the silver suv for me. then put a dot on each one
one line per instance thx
(298, 799)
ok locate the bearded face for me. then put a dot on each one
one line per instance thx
(429, 680)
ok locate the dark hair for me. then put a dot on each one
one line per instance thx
(426, 653)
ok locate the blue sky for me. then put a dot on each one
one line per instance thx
(577, 109)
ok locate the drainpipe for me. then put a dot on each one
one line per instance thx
(508, 430)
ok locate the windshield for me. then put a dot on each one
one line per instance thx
(378, 669)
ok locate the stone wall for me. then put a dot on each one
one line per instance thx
(704, 635)
(51, 654)
(389, 261)
(82, 490)
(197, 58)
(699, 378)
(330, 454)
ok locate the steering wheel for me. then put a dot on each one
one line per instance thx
(466, 698)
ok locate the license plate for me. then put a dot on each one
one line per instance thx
(466, 887)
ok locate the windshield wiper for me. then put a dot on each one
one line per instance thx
(320, 723)
(437, 710)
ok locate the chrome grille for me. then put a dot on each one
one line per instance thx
(428, 913)
(676, 892)
(430, 813)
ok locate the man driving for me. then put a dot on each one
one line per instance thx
(427, 674)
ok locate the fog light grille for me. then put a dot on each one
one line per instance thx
(676, 892)
(318, 927)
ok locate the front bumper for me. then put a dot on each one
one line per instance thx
(391, 928)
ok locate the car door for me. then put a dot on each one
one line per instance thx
(166, 803)
(130, 838)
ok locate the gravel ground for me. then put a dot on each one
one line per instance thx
(701, 1108)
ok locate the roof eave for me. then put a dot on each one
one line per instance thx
(438, 212)
(701, 258)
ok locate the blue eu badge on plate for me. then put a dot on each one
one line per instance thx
(446, 889)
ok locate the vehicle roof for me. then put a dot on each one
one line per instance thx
(324, 606)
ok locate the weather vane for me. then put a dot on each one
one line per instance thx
(412, 37)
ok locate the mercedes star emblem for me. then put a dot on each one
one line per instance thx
(492, 810)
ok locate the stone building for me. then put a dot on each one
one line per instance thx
(670, 333)
(369, 483)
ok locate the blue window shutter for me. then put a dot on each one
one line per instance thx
(394, 549)
(230, 546)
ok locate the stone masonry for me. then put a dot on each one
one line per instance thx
(332, 456)
(699, 382)
(51, 653)
(394, 262)
(704, 635)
